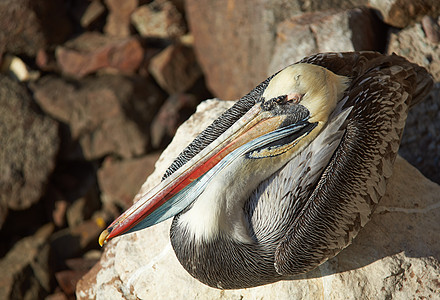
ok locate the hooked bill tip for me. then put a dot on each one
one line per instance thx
(103, 237)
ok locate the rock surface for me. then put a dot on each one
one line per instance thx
(92, 51)
(401, 13)
(105, 114)
(159, 19)
(324, 31)
(413, 44)
(118, 19)
(40, 23)
(176, 109)
(120, 180)
(396, 255)
(175, 68)
(235, 40)
(29, 145)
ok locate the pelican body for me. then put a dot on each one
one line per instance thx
(286, 178)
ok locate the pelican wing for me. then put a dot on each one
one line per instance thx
(355, 179)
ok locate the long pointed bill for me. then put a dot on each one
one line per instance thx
(252, 131)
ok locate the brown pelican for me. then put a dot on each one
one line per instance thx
(284, 179)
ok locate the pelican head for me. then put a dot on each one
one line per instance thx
(285, 178)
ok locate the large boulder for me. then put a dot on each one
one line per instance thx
(29, 25)
(235, 40)
(396, 255)
(29, 146)
(325, 31)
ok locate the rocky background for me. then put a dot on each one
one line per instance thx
(92, 91)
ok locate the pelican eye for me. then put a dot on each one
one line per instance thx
(270, 104)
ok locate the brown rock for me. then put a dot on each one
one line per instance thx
(94, 11)
(82, 264)
(325, 31)
(25, 269)
(67, 280)
(175, 68)
(120, 180)
(159, 19)
(413, 44)
(234, 40)
(28, 25)
(26, 38)
(57, 296)
(59, 212)
(46, 61)
(106, 114)
(83, 208)
(92, 51)
(172, 114)
(73, 242)
(118, 19)
(401, 13)
(29, 147)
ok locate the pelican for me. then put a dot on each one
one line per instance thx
(286, 178)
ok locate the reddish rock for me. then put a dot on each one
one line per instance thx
(158, 19)
(25, 272)
(401, 13)
(413, 44)
(121, 180)
(92, 51)
(235, 67)
(175, 68)
(59, 213)
(68, 279)
(325, 31)
(45, 60)
(118, 19)
(234, 40)
(431, 28)
(29, 147)
(172, 114)
(106, 114)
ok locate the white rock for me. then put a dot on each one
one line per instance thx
(395, 256)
